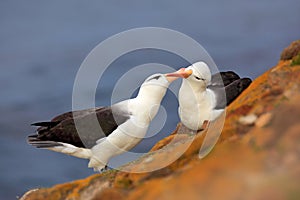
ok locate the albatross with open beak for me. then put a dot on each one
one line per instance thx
(203, 97)
(123, 125)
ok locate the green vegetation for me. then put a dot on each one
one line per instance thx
(296, 60)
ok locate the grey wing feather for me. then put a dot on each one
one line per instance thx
(224, 96)
(65, 129)
(224, 78)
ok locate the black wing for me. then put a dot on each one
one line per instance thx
(224, 78)
(62, 128)
(232, 91)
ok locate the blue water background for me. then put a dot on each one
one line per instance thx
(42, 44)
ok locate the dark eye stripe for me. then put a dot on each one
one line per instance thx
(198, 78)
(155, 77)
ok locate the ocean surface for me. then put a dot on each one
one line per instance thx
(43, 43)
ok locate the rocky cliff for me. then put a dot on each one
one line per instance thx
(257, 155)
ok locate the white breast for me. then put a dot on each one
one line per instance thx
(124, 138)
(196, 107)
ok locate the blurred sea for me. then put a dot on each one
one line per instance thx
(43, 43)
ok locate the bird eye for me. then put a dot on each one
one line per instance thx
(198, 78)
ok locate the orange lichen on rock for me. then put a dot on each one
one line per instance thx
(255, 160)
(72, 190)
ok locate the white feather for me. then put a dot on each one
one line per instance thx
(72, 150)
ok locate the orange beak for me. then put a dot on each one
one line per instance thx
(183, 73)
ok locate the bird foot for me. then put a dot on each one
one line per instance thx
(101, 169)
(97, 165)
(205, 125)
(185, 130)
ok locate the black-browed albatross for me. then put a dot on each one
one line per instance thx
(123, 125)
(203, 97)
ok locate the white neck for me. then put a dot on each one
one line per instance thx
(146, 104)
(197, 87)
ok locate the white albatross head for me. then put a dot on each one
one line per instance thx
(156, 85)
(197, 75)
(201, 74)
(151, 94)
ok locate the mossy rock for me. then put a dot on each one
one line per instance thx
(291, 51)
(296, 60)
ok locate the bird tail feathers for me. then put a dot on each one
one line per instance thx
(72, 150)
(45, 124)
(60, 147)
